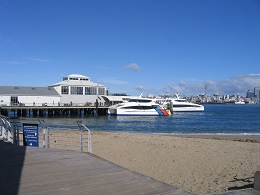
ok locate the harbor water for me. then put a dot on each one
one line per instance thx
(216, 119)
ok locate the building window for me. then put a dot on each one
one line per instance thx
(90, 90)
(101, 91)
(64, 89)
(14, 101)
(75, 79)
(77, 90)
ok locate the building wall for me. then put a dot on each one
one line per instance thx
(5, 100)
(79, 100)
(31, 100)
(39, 100)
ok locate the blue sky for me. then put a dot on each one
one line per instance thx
(133, 46)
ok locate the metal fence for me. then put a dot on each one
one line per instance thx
(79, 139)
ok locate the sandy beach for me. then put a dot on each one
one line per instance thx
(198, 164)
(201, 164)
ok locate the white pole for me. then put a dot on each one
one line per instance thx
(89, 142)
(44, 138)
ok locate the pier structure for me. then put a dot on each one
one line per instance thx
(75, 94)
(52, 111)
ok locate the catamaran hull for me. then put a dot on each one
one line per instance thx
(156, 111)
(187, 109)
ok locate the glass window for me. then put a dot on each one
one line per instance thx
(77, 90)
(90, 91)
(101, 91)
(14, 100)
(64, 89)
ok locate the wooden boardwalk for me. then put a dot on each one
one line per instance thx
(29, 170)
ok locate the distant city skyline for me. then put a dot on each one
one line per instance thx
(133, 46)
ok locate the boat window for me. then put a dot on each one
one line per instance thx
(181, 100)
(138, 107)
(139, 100)
(181, 106)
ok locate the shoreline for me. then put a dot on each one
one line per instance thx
(232, 137)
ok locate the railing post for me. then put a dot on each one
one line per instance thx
(43, 138)
(48, 137)
(9, 136)
(81, 141)
(89, 142)
(16, 135)
(2, 132)
(81, 137)
(45, 134)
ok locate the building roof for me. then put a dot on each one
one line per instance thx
(76, 80)
(28, 91)
(76, 83)
(76, 76)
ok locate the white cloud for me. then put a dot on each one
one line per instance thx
(234, 85)
(140, 88)
(132, 66)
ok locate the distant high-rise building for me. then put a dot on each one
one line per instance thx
(256, 97)
(256, 92)
(249, 94)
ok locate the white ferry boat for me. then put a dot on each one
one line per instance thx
(138, 107)
(178, 104)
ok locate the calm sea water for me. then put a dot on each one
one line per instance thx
(216, 119)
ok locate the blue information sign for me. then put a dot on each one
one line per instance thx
(30, 135)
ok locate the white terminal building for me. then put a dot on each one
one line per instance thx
(74, 90)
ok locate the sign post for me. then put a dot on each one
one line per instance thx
(30, 135)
